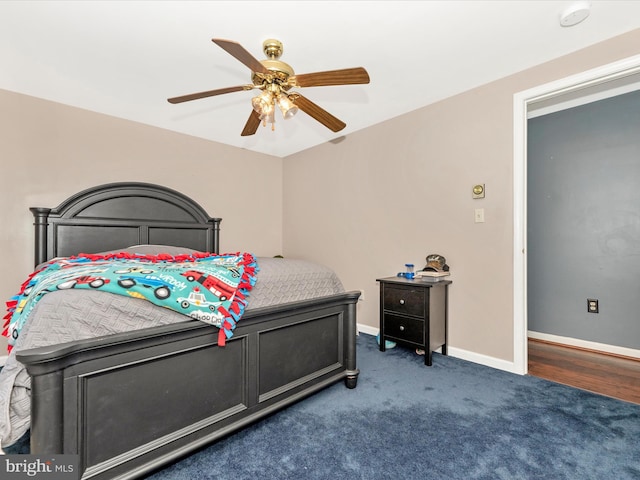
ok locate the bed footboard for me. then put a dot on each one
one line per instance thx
(130, 403)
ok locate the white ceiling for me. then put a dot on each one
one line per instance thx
(125, 58)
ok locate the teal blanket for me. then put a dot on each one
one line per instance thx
(209, 287)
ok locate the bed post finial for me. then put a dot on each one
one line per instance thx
(216, 234)
(41, 217)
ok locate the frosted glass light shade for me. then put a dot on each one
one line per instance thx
(287, 107)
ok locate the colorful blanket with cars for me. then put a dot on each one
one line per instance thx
(209, 287)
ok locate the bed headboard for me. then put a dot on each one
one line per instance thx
(118, 215)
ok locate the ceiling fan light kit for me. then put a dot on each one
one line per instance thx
(276, 78)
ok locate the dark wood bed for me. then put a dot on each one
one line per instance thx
(81, 400)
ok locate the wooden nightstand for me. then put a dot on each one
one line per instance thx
(414, 312)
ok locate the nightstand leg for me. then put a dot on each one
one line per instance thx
(427, 358)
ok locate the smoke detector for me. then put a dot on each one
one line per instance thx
(575, 13)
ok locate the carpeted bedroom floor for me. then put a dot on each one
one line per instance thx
(454, 420)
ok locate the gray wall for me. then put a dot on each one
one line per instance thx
(584, 221)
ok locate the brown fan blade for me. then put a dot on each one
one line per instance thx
(209, 93)
(239, 52)
(347, 76)
(307, 106)
(252, 124)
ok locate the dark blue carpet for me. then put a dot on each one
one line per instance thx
(454, 420)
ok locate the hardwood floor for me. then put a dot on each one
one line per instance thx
(606, 374)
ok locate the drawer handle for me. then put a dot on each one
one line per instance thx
(402, 328)
(401, 301)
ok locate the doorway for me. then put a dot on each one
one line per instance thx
(570, 91)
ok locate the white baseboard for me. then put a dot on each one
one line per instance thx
(485, 360)
(576, 342)
(368, 330)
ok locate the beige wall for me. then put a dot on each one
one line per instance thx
(50, 151)
(395, 192)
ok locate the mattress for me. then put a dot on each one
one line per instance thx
(60, 317)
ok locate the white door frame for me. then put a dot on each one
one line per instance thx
(521, 102)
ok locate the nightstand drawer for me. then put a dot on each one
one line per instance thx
(404, 300)
(403, 328)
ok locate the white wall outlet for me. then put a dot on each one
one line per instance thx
(361, 298)
(479, 215)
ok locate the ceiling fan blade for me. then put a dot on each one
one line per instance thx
(307, 106)
(239, 52)
(209, 93)
(252, 124)
(347, 76)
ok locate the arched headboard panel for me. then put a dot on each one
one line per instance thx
(118, 215)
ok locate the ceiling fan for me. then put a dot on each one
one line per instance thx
(276, 79)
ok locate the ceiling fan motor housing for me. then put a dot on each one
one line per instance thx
(279, 70)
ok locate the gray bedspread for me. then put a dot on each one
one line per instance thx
(70, 315)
